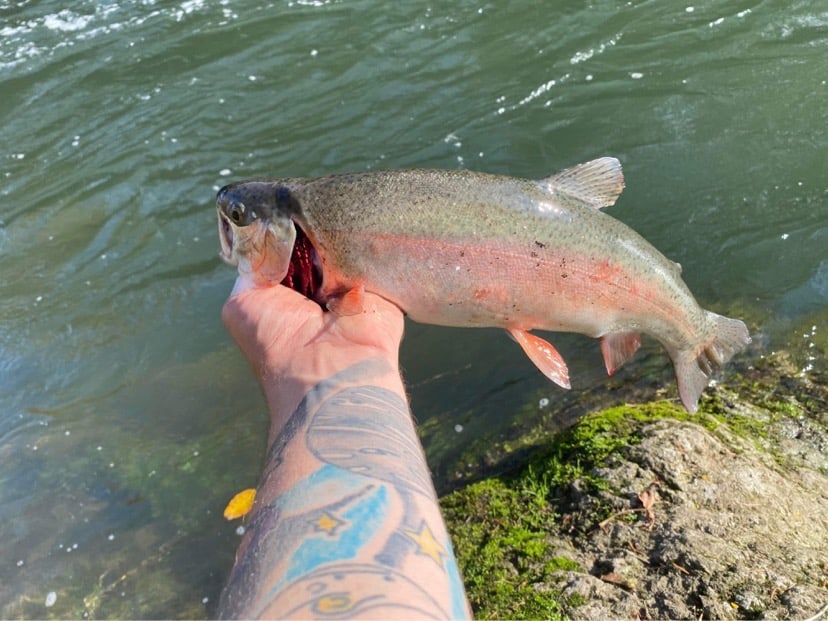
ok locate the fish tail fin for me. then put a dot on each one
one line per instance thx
(694, 368)
(731, 337)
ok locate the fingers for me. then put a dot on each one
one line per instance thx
(274, 323)
(380, 322)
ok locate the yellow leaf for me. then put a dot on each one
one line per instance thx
(240, 505)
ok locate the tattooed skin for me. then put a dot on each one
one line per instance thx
(358, 533)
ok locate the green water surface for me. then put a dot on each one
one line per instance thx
(127, 418)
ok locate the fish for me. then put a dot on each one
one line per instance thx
(474, 249)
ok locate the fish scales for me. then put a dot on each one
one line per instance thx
(422, 226)
(462, 248)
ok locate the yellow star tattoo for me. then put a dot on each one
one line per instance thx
(427, 544)
(327, 523)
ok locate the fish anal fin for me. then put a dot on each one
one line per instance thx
(619, 347)
(351, 302)
(598, 183)
(543, 355)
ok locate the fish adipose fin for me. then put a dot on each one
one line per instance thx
(352, 302)
(694, 370)
(619, 347)
(598, 183)
(545, 357)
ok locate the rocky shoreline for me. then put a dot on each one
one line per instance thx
(646, 512)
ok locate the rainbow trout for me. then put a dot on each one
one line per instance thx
(462, 248)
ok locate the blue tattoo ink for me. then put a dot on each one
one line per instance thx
(362, 521)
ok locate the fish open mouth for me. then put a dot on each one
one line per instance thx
(225, 233)
(304, 270)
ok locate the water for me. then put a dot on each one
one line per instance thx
(129, 419)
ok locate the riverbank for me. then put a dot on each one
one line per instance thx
(644, 511)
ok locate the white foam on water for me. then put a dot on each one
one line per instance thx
(66, 21)
(313, 3)
(579, 57)
(543, 88)
(192, 5)
(43, 36)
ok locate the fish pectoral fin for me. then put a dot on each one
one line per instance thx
(352, 302)
(598, 183)
(619, 347)
(543, 355)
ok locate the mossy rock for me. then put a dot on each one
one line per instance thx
(566, 534)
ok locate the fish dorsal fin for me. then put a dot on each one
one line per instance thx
(598, 183)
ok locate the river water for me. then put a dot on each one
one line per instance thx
(128, 418)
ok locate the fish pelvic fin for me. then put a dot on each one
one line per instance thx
(543, 355)
(619, 347)
(598, 183)
(351, 302)
(694, 368)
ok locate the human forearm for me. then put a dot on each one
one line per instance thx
(287, 384)
(346, 521)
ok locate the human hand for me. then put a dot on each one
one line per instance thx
(291, 342)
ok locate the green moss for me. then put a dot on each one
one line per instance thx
(575, 453)
(500, 551)
(501, 526)
(562, 563)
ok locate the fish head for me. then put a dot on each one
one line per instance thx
(256, 230)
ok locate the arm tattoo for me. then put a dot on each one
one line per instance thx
(356, 517)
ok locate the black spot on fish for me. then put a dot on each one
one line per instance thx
(282, 196)
(539, 244)
(564, 275)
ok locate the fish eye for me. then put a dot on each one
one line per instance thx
(237, 212)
